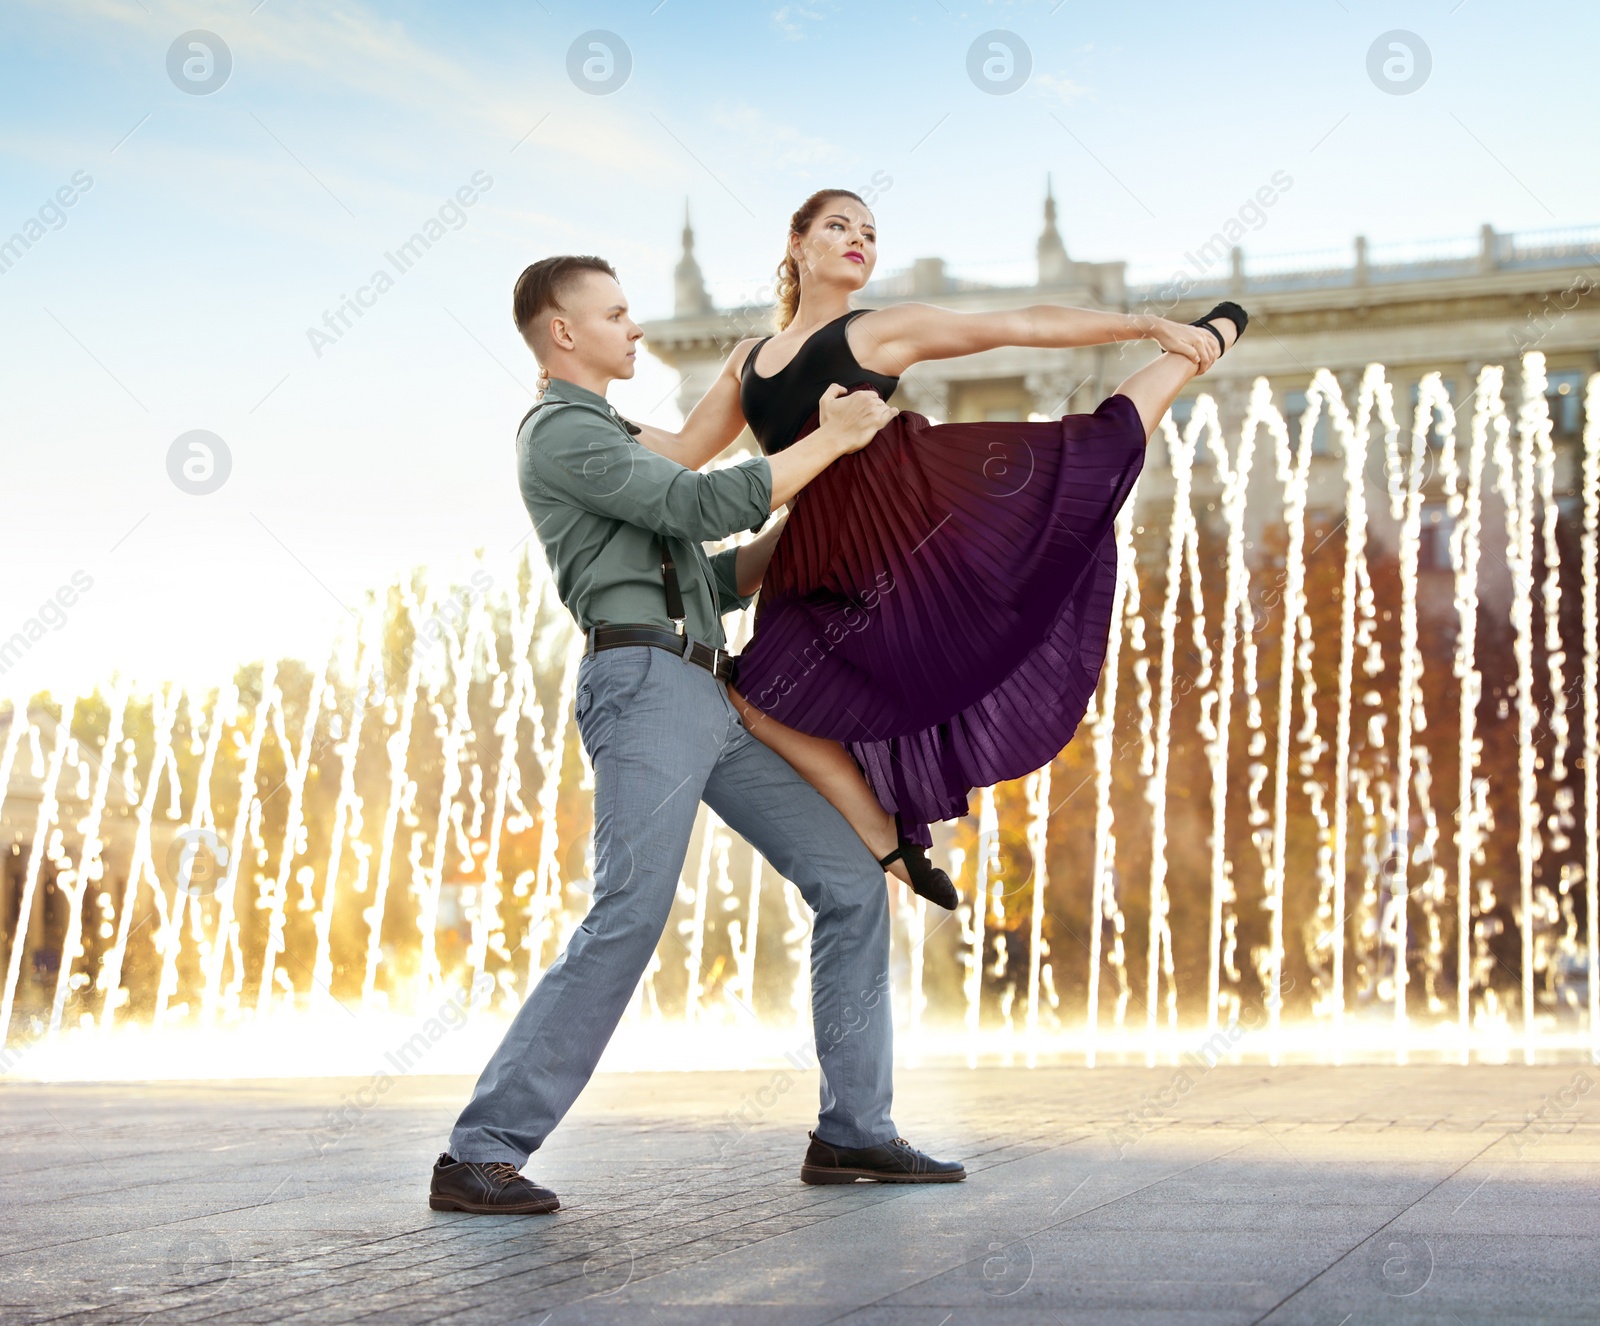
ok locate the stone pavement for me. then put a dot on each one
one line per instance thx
(1335, 1196)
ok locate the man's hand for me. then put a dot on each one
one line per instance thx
(848, 422)
(853, 419)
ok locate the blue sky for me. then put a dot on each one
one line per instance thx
(179, 288)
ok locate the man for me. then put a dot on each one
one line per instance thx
(622, 528)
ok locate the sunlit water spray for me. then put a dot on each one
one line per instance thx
(307, 862)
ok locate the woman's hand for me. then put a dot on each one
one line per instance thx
(852, 418)
(1195, 344)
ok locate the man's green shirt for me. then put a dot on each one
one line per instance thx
(599, 499)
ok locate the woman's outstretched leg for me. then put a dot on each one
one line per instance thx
(827, 766)
(1153, 388)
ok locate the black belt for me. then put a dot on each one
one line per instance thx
(714, 661)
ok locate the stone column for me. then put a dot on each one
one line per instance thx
(698, 377)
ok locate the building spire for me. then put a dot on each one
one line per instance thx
(1054, 266)
(690, 299)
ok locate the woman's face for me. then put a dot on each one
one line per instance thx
(840, 247)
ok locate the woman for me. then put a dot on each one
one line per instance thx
(935, 615)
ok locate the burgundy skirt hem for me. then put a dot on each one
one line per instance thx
(940, 601)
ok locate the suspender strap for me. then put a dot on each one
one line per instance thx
(669, 571)
(669, 576)
(536, 407)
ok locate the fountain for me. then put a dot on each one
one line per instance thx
(317, 856)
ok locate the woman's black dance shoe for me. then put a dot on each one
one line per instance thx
(927, 880)
(1233, 313)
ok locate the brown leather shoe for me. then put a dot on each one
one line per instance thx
(495, 1188)
(891, 1162)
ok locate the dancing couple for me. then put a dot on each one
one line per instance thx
(934, 611)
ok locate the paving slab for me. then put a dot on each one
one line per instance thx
(1300, 1194)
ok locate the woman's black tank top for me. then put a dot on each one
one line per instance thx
(777, 407)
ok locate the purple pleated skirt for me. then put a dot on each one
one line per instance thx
(940, 601)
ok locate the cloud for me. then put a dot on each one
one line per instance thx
(791, 20)
(757, 137)
(345, 48)
(1063, 90)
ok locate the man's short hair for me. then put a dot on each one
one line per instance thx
(540, 287)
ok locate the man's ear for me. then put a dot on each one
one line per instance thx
(561, 334)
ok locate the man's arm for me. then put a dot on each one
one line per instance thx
(750, 568)
(738, 572)
(724, 577)
(583, 457)
(848, 423)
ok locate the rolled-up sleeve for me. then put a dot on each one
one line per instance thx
(591, 463)
(725, 575)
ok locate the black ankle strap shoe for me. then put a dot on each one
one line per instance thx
(927, 880)
(496, 1187)
(1233, 313)
(891, 1162)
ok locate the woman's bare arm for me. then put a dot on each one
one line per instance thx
(713, 423)
(889, 340)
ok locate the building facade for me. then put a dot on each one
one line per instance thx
(1445, 306)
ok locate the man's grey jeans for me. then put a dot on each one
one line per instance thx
(663, 735)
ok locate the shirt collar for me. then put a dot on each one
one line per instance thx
(562, 390)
